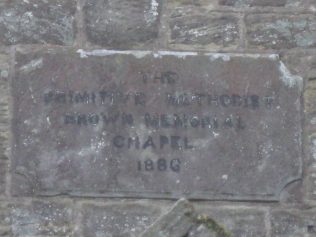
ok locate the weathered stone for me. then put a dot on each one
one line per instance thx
(4, 216)
(3, 171)
(201, 231)
(5, 228)
(203, 29)
(209, 4)
(236, 221)
(293, 223)
(176, 223)
(5, 232)
(122, 23)
(311, 169)
(262, 3)
(4, 64)
(293, 193)
(37, 22)
(310, 128)
(4, 104)
(302, 63)
(310, 100)
(163, 124)
(41, 219)
(118, 219)
(281, 32)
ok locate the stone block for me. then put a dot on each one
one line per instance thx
(199, 28)
(4, 103)
(281, 31)
(122, 23)
(311, 4)
(237, 221)
(118, 219)
(4, 64)
(3, 172)
(310, 100)
(262, 3)
(201, 231)
(210, 4)
(154, 124)
(293, 223)
(311, 169)
(4, 216)
(41, 219)
(5, 227)
(37, 22)
(175, 223)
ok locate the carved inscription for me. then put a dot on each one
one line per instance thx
(155, 126)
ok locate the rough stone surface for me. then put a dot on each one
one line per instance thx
(262, 3)
(293, 223)
(281, 31)
(202, 29)
(310, 100)
(189, 5)
(312, 168)
(201, 231)
(4, 104)
(37, 22)
(237, 221)
(4, 64)
(301, 63)
(176, 223)
(5, 228)
(3, 171)
(93, 156)
(122, 23)
(4, 117)
(118, 219)
(61, 169)
(41, 219)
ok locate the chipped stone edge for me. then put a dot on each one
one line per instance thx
(293, 81)
(287, 77)
(31, 66)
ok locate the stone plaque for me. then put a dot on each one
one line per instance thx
(154, 124)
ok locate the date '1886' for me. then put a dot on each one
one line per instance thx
(159, 165)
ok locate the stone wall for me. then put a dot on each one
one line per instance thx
(284, 27)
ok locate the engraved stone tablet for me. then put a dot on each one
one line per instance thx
(154, 124)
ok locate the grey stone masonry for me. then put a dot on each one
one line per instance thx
(4, 103)
(238, 221)
(40, 218)
(198, 27)
(262, 3)
(281, 31)
(291, 223)
(4, 118)
(126, 219)
(157, 118)
(5, 227)
(37, 22)
(3, 170)
(59, 126)
(122, 23)
(176, 223)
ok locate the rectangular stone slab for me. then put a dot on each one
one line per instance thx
(154, 124)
